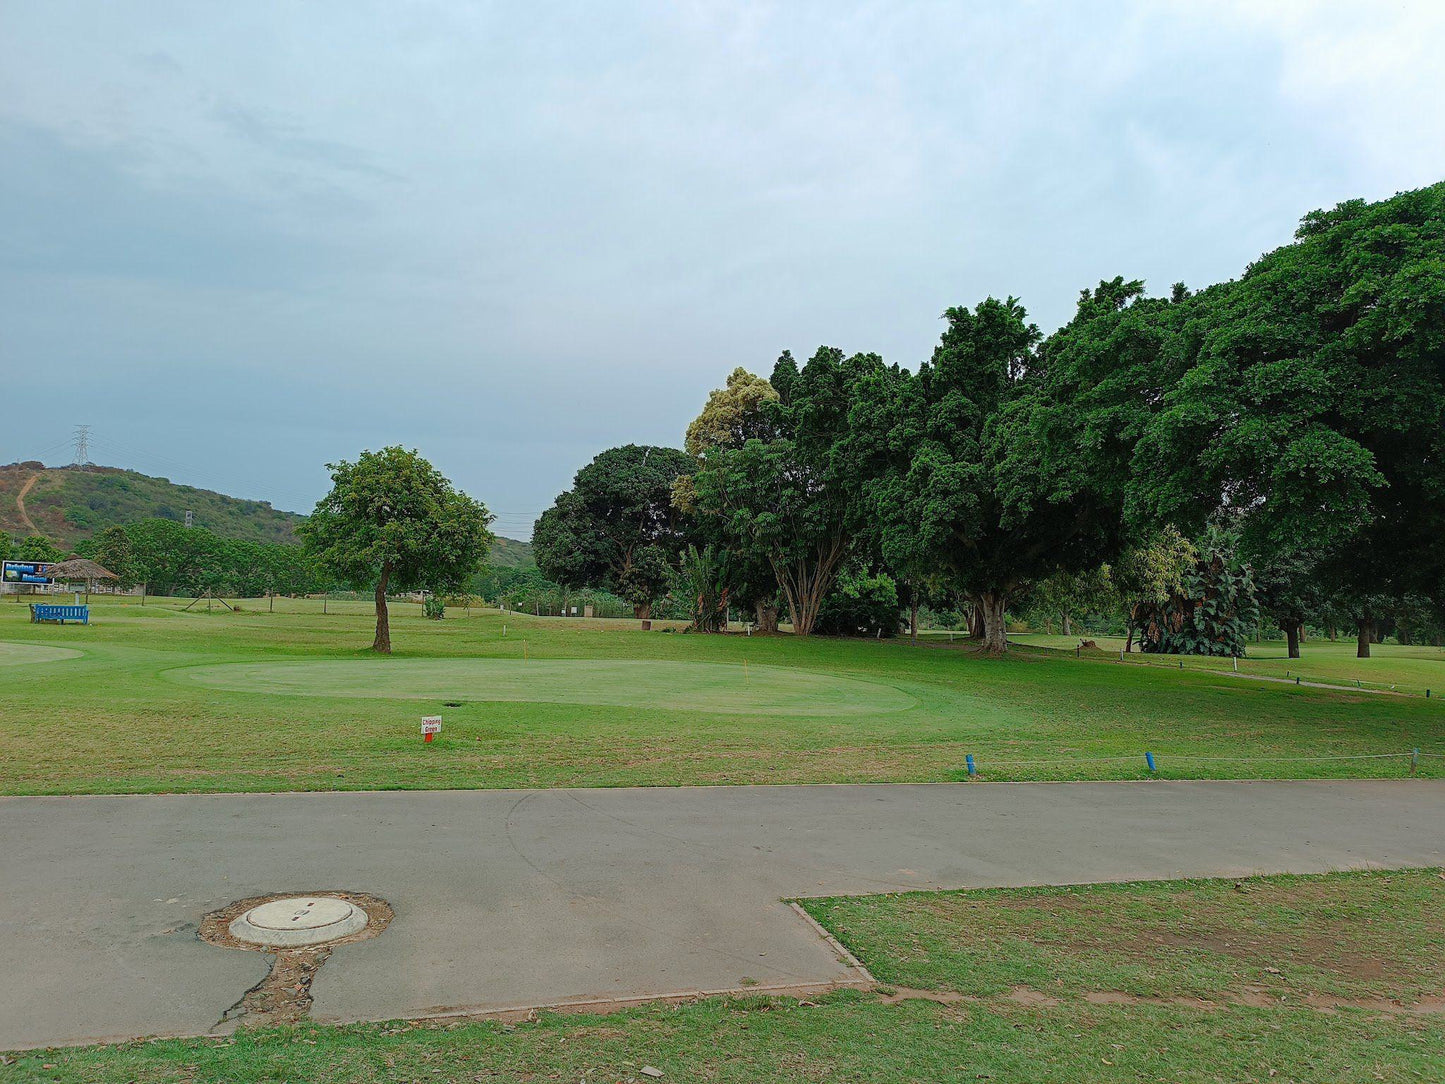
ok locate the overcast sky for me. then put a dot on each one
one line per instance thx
(243, 239)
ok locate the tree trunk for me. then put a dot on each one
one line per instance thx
(1362, 642)
(1291, 636)
(382, 642)
(766, 612)
(975, 619)
(1068, 623)
(805, 582)
(913, 621)
(1331, 633)
(643, 611)
(270, 603)
(992, 603)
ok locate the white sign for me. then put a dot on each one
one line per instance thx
(431, 724)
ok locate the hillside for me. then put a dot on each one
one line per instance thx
(509, 553)
(68, 504)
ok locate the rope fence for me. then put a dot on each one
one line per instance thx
(1152, 760)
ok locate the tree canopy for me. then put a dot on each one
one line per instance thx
(1299, 409)
(393, 522)
(617, 528)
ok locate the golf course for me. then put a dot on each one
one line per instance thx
(157, 698)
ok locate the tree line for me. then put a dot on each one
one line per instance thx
(1272, 445)
(170, 558)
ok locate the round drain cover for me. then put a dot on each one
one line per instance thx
(299, 920)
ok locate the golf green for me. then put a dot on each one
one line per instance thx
(28, 654)
(722, 688)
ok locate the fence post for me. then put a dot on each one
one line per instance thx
(1149, 760)
(972, 768)
(1414, 761)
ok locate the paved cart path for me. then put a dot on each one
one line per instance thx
(517, 898)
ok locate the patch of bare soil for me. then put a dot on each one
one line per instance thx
(1256, 997)
(284, 995)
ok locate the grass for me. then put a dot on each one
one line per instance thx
(1404, 669)
(1068, 942)
(128, 715)
(1283, 940)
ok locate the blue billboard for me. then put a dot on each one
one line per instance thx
(32, 572)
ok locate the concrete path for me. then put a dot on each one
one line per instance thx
(516, 898)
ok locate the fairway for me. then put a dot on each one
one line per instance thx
(160, 698)
(720, 688)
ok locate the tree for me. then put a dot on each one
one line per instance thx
(1289, 591)
(113, 550)
(393, 522)
(617, 529)
(790, 502)
(963, 467)
(1067, 595)
(1310, 398)
(745, 409)
(168, 556)
(38, 548)
(1149, 573)
(733, 415)
(5, 546)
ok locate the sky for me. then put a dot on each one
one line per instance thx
(244, 240)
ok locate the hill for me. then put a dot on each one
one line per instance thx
(70, 504)
(509, 553)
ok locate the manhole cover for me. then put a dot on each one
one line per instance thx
(299, 920)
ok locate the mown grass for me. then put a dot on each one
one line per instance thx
(112, 721)
(855, 1037)
(1408, 669)
(1285, 939)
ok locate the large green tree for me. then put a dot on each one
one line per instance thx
(1310, 401)
(965, 468)
(37, 547)
(393, 522)
(745, 409)
(790, 500)
(617, 528)
(113, 551)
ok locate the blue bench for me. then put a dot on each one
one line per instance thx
(42, 611)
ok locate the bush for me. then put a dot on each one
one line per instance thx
(434, 607)
(860, 604)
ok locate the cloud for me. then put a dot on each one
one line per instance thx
(519, 234)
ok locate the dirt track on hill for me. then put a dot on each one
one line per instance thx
(20, 503)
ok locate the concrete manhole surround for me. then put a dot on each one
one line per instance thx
(293, 920)
(299, 930)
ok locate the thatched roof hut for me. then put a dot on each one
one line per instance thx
(79, 570)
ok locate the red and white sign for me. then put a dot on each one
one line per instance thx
(430, 725)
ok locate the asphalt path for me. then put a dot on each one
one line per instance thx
(509, 899)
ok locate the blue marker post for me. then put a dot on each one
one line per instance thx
(972, 768)
(1149, 760)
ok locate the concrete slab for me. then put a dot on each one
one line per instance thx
(515, 898)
